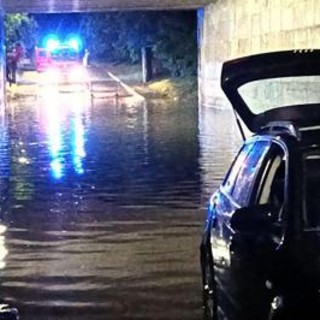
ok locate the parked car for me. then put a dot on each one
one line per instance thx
(260, 252)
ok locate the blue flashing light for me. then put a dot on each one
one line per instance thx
(51, 42)
(75, 43)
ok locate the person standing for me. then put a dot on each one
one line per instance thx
(85, 59)
(13, 59)
(8, 67)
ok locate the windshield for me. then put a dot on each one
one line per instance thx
(65, 54)
(268, 94)
(312, 190)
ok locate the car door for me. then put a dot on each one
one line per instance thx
(236, 192)
(255, 245)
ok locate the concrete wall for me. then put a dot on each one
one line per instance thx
(98, 5)
(233, 28)
(2, 61)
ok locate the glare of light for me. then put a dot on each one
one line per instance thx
(52, 42)
(3, 229)
(3, 249)
(220, 251)
(77, 73)
(52, 75)
(53, 128)
(78, 145)
(50, 95)
(4, 142)
(55, 146)
(57, 168)
(23, 160)
(55, 141)
(213, 201)
(78, 166)
(75, 43)
(79, 104)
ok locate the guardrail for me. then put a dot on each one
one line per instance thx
(100, 88)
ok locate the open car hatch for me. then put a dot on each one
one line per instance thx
(277, 86)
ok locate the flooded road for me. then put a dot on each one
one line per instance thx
(103, 205)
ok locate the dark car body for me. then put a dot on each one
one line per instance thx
(260, 252)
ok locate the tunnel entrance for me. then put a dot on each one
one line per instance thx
(141, 46)
(60, 6)
(38, 7)
(90, 192)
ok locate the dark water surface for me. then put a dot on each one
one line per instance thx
(102, 206)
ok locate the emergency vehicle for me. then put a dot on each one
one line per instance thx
(60, 61)
(43, 59)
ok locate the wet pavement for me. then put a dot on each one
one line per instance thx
(103, 205)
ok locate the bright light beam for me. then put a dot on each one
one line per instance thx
(52, 42)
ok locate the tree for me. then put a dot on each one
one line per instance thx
(20, 27)
(176, 43)
(120, 37)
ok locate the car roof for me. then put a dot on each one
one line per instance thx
(308, 138)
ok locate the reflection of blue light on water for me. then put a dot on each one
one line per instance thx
(78, 150)
(66, 136)
(56, 168)
(77, 162)
(4, 152)
(55, 144)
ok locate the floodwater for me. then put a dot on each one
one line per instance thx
(103, 204)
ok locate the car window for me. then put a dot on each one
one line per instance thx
(228, 183)
(245, 178)
(65, 54)
(272, 191)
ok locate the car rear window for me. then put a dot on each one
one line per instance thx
(242, 175)
(268, 94)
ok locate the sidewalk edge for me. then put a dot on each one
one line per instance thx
(126, 87)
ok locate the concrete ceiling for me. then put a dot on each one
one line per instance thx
(59, 6)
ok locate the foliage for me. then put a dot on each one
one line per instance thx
(176, 45)
(120, 37)
(20, 27)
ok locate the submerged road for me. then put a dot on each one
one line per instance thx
(103, 204)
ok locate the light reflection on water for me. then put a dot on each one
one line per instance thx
(3, 249)
(55, 122)
(104, 220)
(78, 146)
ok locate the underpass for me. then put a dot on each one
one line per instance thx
(226, 29)
(121, 238)
(59, 6)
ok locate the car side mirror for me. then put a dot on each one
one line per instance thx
(251, 219)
